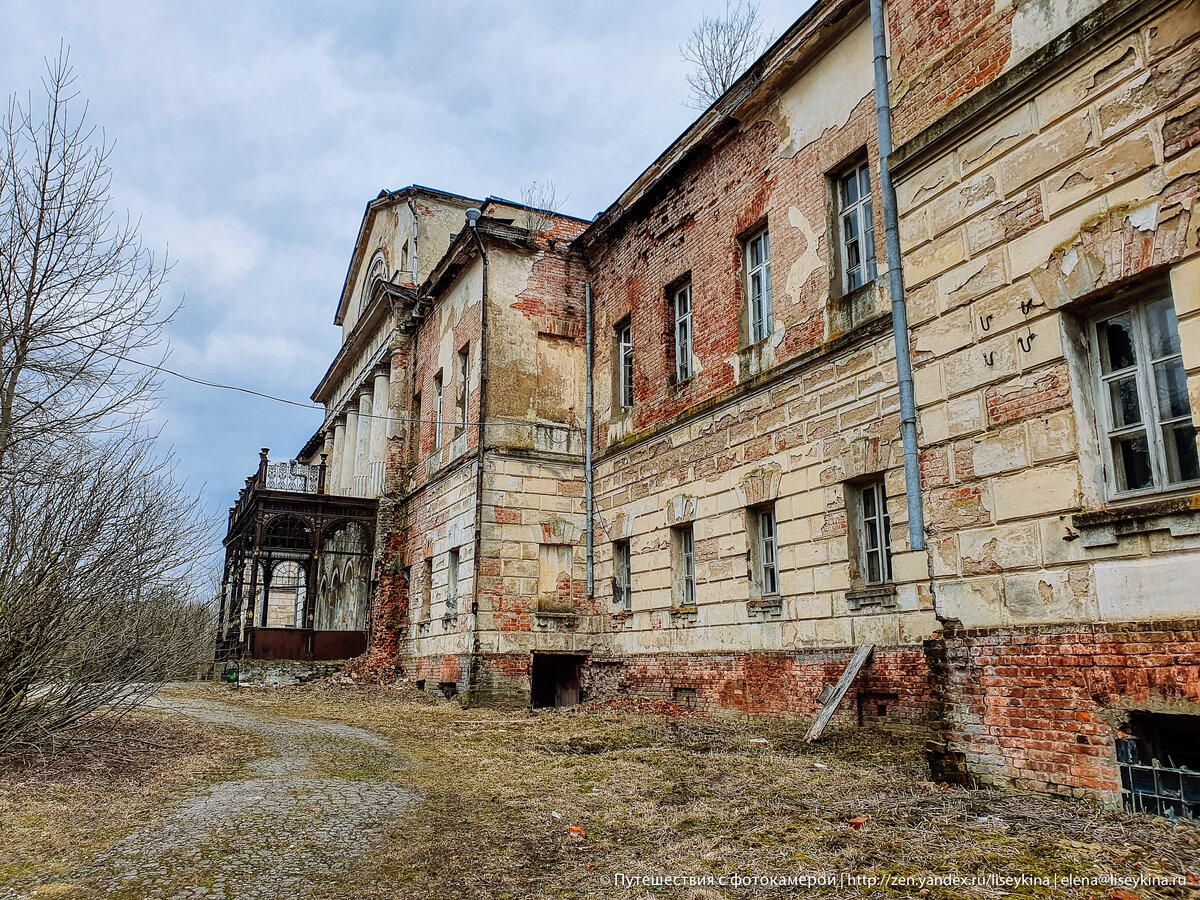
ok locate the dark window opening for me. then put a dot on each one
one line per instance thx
(685, 697)
(449, 689)
(420, 684)
(555, 680)
(1159, 760)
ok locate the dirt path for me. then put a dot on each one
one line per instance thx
(294, 820)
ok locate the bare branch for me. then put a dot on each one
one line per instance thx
(541, 202)
(721, 49)
(75, 279)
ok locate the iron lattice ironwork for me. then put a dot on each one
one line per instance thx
(288, 540)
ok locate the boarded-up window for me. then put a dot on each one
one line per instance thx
(554, 578)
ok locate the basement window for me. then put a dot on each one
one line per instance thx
(1159, 762)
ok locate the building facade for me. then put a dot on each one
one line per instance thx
(726, 331)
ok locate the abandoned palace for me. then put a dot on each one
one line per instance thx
(677, 451)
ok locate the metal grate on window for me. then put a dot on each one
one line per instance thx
(1154, 789)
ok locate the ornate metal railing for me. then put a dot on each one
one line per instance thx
(292, 476)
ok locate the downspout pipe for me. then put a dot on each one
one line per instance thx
(479, 449)
(891, 221)
(589, 497)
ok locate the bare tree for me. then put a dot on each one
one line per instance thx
(98, 540)
(541, 202)
(79, 294)
(721, 48)
(98, 586)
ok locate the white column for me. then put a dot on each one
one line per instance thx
(362, 453)
(379, 425)
(350, 442)
(333, 474)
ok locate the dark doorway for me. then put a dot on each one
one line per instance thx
(555, 679)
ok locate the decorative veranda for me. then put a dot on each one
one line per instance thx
(298, 567)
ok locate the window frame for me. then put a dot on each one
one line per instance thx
(767, 536)
(464, 377)
(684, 367)
(877, 525)
(760, 326)
(1142, 371)
(623, 575)
(862, 211)
(685, 547)
(624, 364)
(438, 400)
(452, 563)
(416, 428)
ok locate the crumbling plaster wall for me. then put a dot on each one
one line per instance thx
(1010, 239)
(794, 420)
(943, 51)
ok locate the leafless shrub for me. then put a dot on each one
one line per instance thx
(79, 294)
(98, 540)
(541, 202)
(720, 49)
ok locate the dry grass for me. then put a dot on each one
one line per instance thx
(63, 804)
(659, 795)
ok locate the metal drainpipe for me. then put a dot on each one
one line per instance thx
(908, 406)
(412, 258)
(479, 455)
(589, 499)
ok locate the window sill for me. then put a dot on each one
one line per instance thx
(688, 613)
(765, 607)
(1179, 514)
(882, 596)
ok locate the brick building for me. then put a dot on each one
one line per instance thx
(750, 511)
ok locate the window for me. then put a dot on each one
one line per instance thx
(622, 575)
(404, 258)
(856, 228)
(437, 411)
(625, 365)
(452, 581)
(426, 588)
(464, 383)
(684, 546)
(683, 333)
(874, 534)
(415, 428)
(758, 285)
(765, 550)
(1145, 417)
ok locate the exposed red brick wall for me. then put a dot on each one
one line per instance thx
(697, 227)
(943, 51)
(775, 685)
(1039, 707)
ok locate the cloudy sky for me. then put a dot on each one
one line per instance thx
(249, 136)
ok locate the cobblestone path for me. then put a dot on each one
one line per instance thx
(294, 820)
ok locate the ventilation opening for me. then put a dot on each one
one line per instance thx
(449, 689)
(685, 697)
(1159, 761)
(555, 680)
(420, 682)
(874, 707)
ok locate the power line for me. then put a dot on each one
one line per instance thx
(571, 426)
